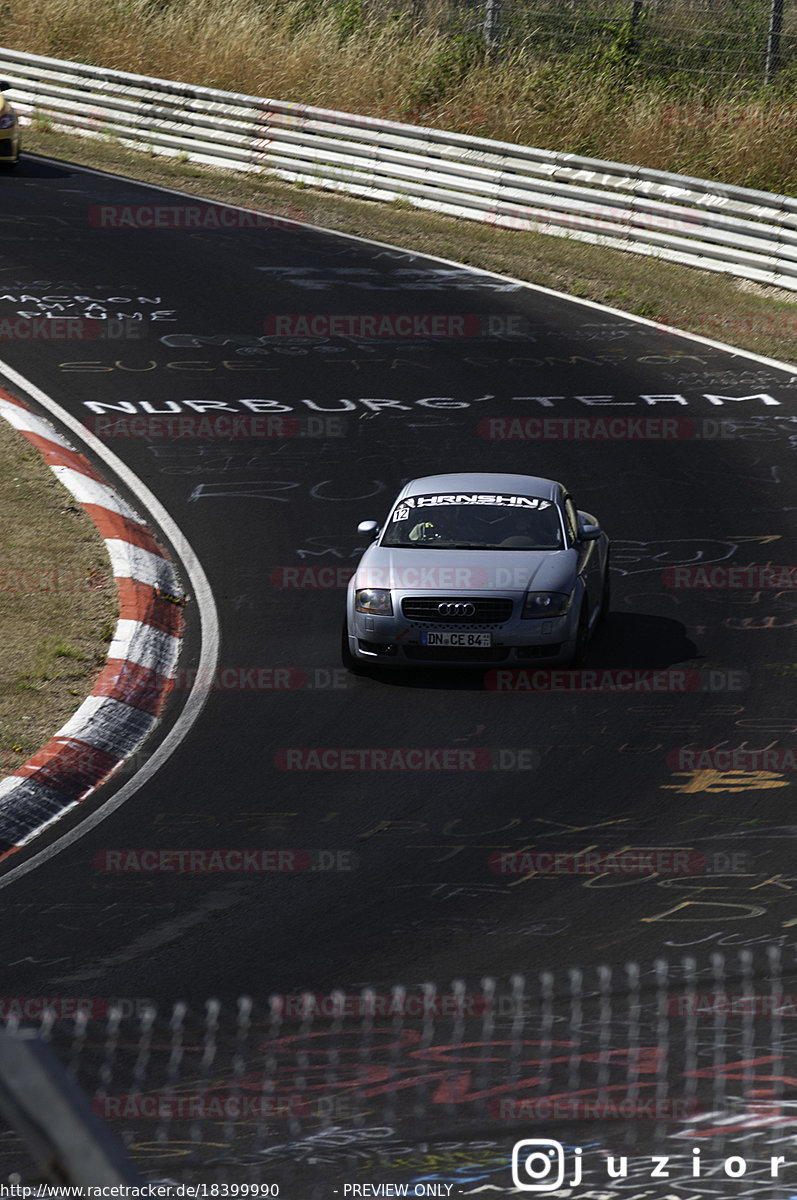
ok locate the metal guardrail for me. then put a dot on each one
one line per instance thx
(716, 226)
(66, 1139)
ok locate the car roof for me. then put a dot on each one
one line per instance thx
(482, 481)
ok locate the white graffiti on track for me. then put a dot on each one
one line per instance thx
(276, 489)
(545, 927)
(735, 941)
(248, 345)
(31, 303)
(364, 406)
(633, 557)
(318, 546)
(718, 378)
(335, 1144)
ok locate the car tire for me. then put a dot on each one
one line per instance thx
(352, 664)
(606, 593)
(582, 636)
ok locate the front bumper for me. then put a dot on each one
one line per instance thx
(395, 641)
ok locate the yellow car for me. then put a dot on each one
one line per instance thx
(9, 130)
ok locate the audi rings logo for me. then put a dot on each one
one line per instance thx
(456, 610)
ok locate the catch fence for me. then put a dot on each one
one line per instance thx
(692, 1058)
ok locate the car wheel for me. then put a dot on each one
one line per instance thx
(352, 664)
(582, 636)
(606, 593)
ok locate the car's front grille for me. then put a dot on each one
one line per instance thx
(486, 610)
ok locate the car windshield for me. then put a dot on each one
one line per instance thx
(474, 521)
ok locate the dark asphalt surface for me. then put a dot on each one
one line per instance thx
(416, 900)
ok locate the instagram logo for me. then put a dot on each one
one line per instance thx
(539, 1160)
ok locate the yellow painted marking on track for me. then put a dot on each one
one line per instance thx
(767, 537)
(726, 781)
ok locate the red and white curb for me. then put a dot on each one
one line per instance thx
(139, 673)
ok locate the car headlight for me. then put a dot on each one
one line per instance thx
(545, 604)
(7, 120)
(376, 601)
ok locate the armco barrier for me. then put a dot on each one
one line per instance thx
(712, 225)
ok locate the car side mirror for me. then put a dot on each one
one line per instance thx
(371, 527)
(588, 533)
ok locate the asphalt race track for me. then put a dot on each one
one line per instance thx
(686, 454)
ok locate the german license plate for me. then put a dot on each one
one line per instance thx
(434, 637)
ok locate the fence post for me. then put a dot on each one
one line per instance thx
(492, 25)
(773, 40)
(633, 26)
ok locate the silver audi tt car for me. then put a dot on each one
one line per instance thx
(477, 569)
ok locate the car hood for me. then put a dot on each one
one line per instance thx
(453, 571)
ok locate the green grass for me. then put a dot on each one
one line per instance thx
(682, 92)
